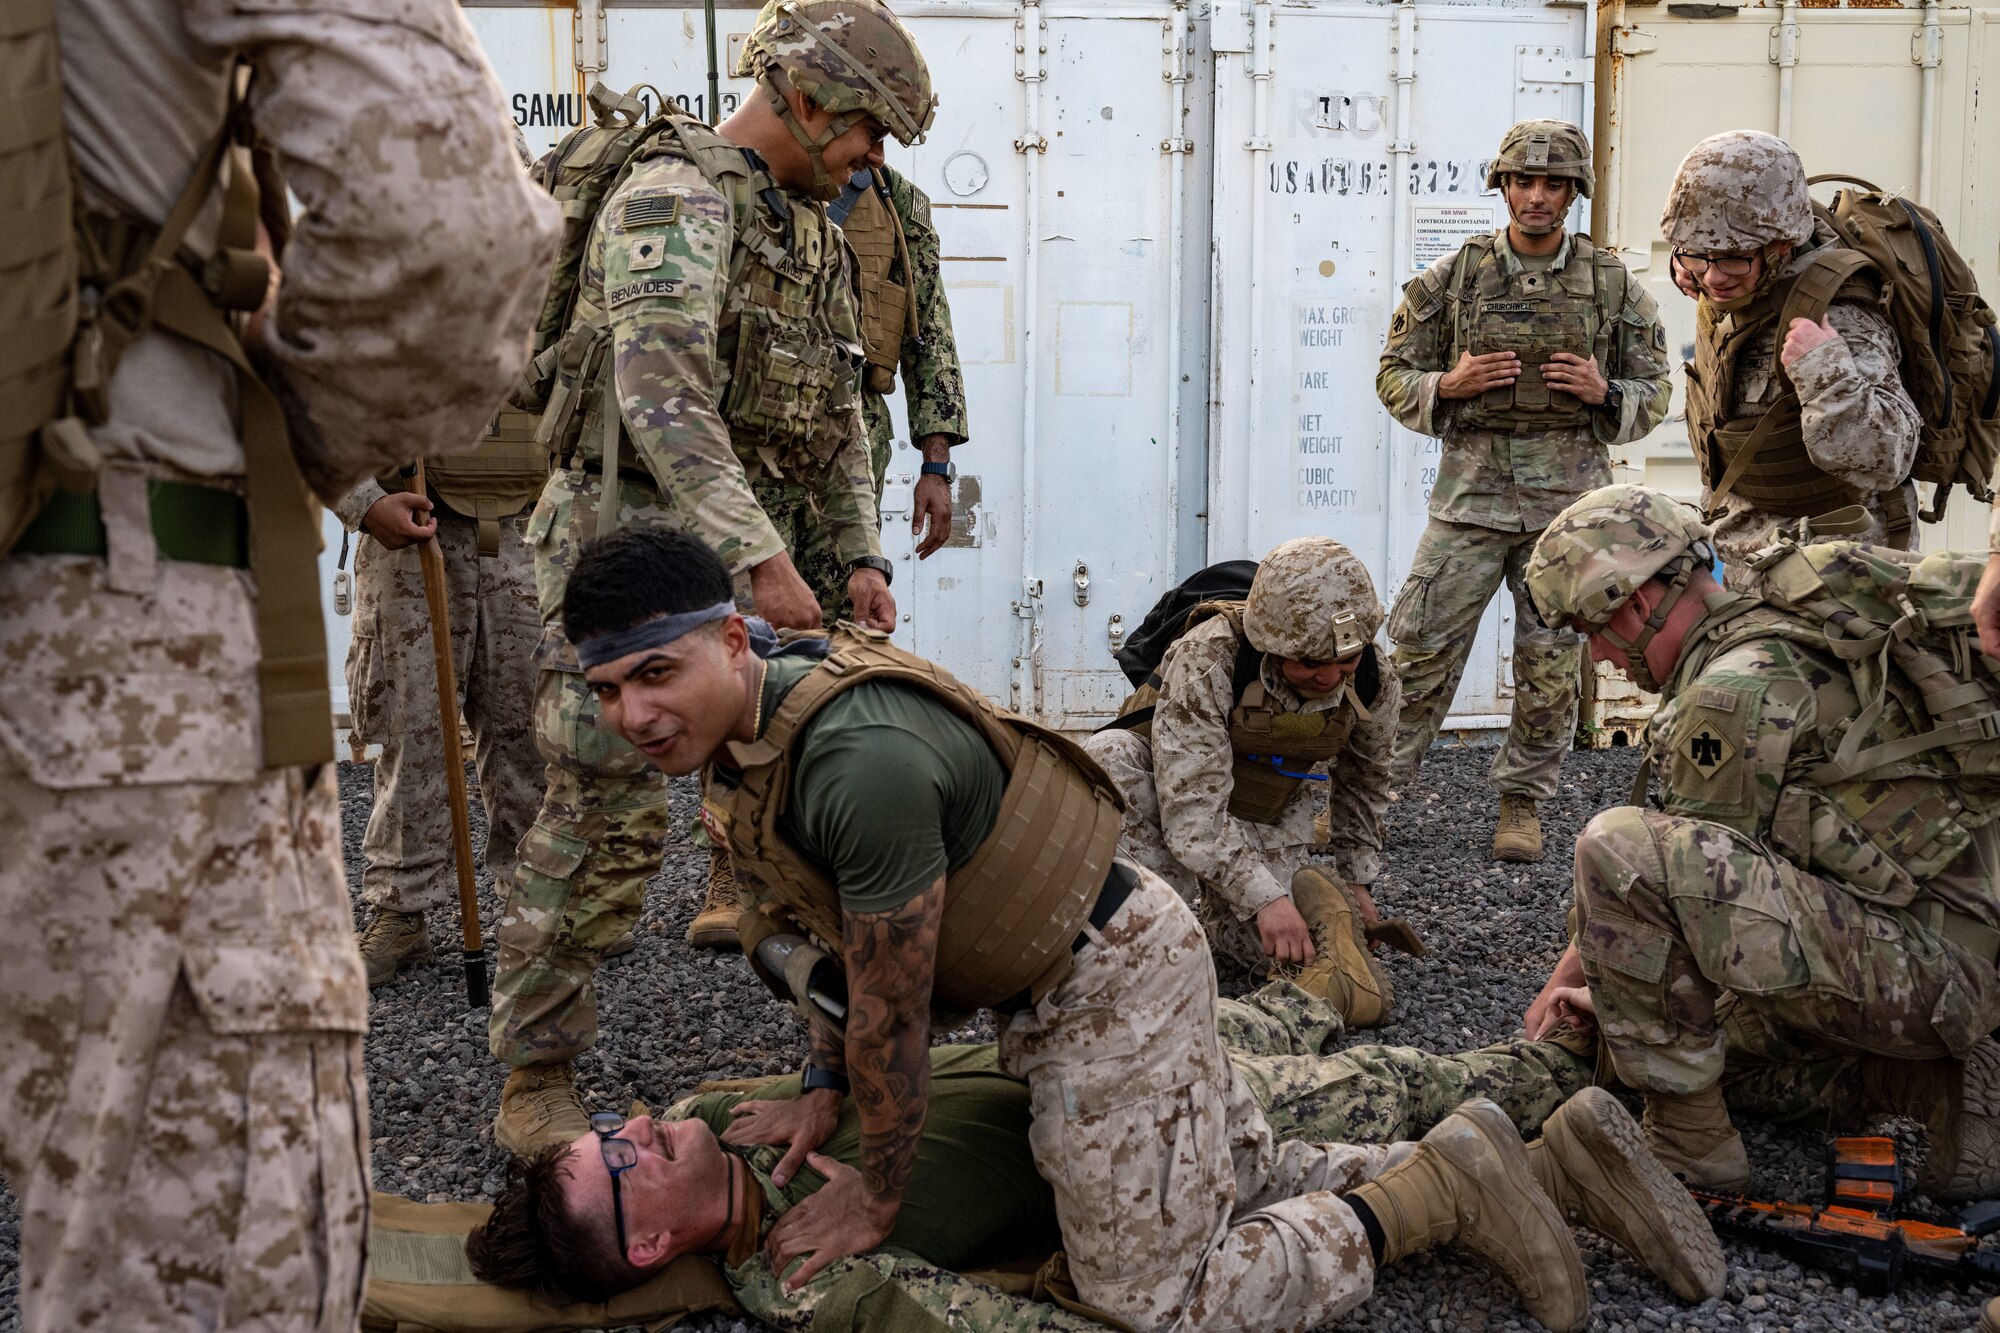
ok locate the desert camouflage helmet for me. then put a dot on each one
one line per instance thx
(1544, 148)
(852, 57)
(1604, 547)
(1737, 192)
(1313, 601)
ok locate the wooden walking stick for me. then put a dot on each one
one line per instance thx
(432, 557)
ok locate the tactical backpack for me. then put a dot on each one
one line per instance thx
(58, 352)
(1902, 624)
(1950, 349)
(1146, 648)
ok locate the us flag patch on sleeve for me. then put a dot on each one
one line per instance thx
(650, 210)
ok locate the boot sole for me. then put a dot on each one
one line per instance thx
(1657, 1220)
(1559, 1311)
(714, 934)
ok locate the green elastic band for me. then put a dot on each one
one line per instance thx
(198, 524)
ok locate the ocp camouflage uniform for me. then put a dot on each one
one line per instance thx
(933, 385)
(392, 699)
(698, 430)
(1750, 881)
(1177, 788)
(1739, 192)
(183, 1110)
(1499, 484)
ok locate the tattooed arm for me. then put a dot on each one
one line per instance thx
(891, 959)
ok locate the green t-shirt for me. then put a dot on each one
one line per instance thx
(974, 1192)
(891, 789)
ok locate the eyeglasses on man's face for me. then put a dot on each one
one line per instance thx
(620, 1156)
(1729, 266)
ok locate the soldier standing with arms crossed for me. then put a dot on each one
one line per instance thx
(183, 1113)
(1529, 353)
(723, 298)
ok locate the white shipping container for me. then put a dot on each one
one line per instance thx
(1174, 236)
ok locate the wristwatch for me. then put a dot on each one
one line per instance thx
(948, 470)
(812, 1078)
(877, 563)
(1614, 400)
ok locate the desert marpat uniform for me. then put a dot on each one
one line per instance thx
(703, 411)
(391, 669)
(906, 324)
(1844, 430)
(1512, 459)
(1177, 786)
(183, 1114)
(1750, 880)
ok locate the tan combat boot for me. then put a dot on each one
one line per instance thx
(538, 1107)
(1519, 834)
(1592, 1160)
(392, 942)
(1962, 1119)
(1343, 971)
(1692, 1137)
(1469, 1182)
(714, 926)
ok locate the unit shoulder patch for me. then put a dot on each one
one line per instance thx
(1706, 751)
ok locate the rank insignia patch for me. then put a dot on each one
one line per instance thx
(1707, 752)
(647, 252)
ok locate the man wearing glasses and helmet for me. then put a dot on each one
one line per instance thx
(1795, 407)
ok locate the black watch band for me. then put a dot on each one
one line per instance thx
(946, 469)
(879, 564)
(812, 1078)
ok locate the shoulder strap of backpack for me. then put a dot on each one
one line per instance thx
(1813, 290)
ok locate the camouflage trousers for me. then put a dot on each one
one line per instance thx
(893, 1289)
(1677, 911)
(791, 511)
(1283, 1043)
(392, 692)
(1127, 759)
(1454, 574)
(580, 878)
(188, 1140)
(1179, 1207)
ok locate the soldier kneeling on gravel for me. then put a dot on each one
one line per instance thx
(1848, 905)
(1217, 754)
(955, 854)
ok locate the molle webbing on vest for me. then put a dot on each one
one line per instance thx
(888, 309)
(498, 479)
(1013, 909)
(1270, 745)
(1763, 459)
(1534, 315)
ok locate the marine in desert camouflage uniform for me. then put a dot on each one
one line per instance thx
(906, 325)
(1225, 824)
(1755, 879)
(1529, 353)
(392, 681)
(1739, 201)
(718, 383)
(183, 1111)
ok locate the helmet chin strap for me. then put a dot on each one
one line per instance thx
(1636, 665)
(824, 187)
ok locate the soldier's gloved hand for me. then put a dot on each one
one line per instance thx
(1474, 375)
(802, 1123)
(838, 1219)
(1576, 374)
(874, 604)
(1803, 336)
(1282, 932)
(399, 520)
(1986, 607)
(781, 596)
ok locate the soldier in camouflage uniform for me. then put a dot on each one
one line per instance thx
(1843, 431)
(1529, 353)
(732, 355)
(1211, 803)
(476, 507)
(906, 324)
(1754, 877)
(183, 1111)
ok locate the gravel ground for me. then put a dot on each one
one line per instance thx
(674, 1016)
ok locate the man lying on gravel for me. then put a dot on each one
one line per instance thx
(677, 1184)
(853, 785)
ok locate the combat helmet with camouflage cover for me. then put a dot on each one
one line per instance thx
(1544, 148)
(1737, 192)
(851, 57)
(1605, 547)
(1311, 601)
